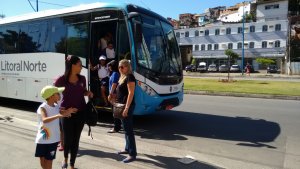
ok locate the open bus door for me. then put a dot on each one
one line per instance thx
(99, 29)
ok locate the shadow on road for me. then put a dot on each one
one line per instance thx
(171, 162)
(176, 125)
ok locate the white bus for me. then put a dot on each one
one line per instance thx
(33, 49)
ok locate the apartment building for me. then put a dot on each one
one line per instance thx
(265, 38)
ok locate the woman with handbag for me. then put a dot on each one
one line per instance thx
(125, 95)
(113, 83)
(73, 96)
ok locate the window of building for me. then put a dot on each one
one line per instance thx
(196, 33)
(209, 47)
(202, 47)
(251, 45)
(240, 30)
(252, 28)
(239, 46)
(277, 44)
(196, 47)
(206, 32)
(278, 27)
(187, 34)
(217, 32)
(230, 45)
(264, 44)
(228, 31)
(216, 47)
(265, 28)
(177, 34)
(273, 6)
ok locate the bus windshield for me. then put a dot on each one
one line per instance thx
(158, 51)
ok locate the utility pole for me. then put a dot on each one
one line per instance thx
(37, 5)
(243, 43)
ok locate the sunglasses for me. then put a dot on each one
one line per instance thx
(121, 67)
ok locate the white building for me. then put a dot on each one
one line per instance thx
(235, 16)
(271, 10)
(262, 39)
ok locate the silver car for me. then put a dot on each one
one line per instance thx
(235, 68)
(212, 68)
(223, 68)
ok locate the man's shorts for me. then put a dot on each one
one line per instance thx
(48, 151)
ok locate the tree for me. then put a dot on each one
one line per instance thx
(193, 61)
(265, 61)
(231, 56)
(2, 16)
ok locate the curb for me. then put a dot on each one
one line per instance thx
(263, 96)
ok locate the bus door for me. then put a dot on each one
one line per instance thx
(104, 28)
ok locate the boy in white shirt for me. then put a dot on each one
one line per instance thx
(103, 74)
(48, 135)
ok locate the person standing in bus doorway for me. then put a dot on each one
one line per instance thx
(73, 96)
(125, 95)
(109, 52)
(48, 135)
(103, 77)
(103, 42)
(113, 83)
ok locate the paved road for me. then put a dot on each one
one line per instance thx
(219, 132)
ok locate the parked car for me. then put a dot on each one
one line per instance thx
(202, 67)
(223, 68)
(191, 68)
(212, 68)
(235, 68)
(272, 69)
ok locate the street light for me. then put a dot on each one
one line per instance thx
(243, 32)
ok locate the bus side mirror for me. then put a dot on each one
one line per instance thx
(138, 33)
(133, 15)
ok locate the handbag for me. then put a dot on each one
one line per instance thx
(118, 109)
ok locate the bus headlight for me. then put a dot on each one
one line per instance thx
(147, 89)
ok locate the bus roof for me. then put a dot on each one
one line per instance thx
(54, 12)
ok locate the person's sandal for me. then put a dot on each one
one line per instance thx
(122, 152)
(129, 159)
(64, 165)
(112, 131)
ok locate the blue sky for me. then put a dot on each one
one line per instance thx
(166, 8)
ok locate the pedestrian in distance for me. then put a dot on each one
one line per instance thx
(248, 69)
(73, 96)
(48, 135)
(113, 83)
(125, 95)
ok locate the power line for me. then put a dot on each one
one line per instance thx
(31, 6)
(49, 3)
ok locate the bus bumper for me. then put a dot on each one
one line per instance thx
(145, 104)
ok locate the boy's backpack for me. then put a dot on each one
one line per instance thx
(91, 116)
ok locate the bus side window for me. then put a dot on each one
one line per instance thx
(2, 51)
(77, 41)
(11, 37)
(123, 42)
(57, 35)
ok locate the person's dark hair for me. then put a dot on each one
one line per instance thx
(71, 60)
(114, 65)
